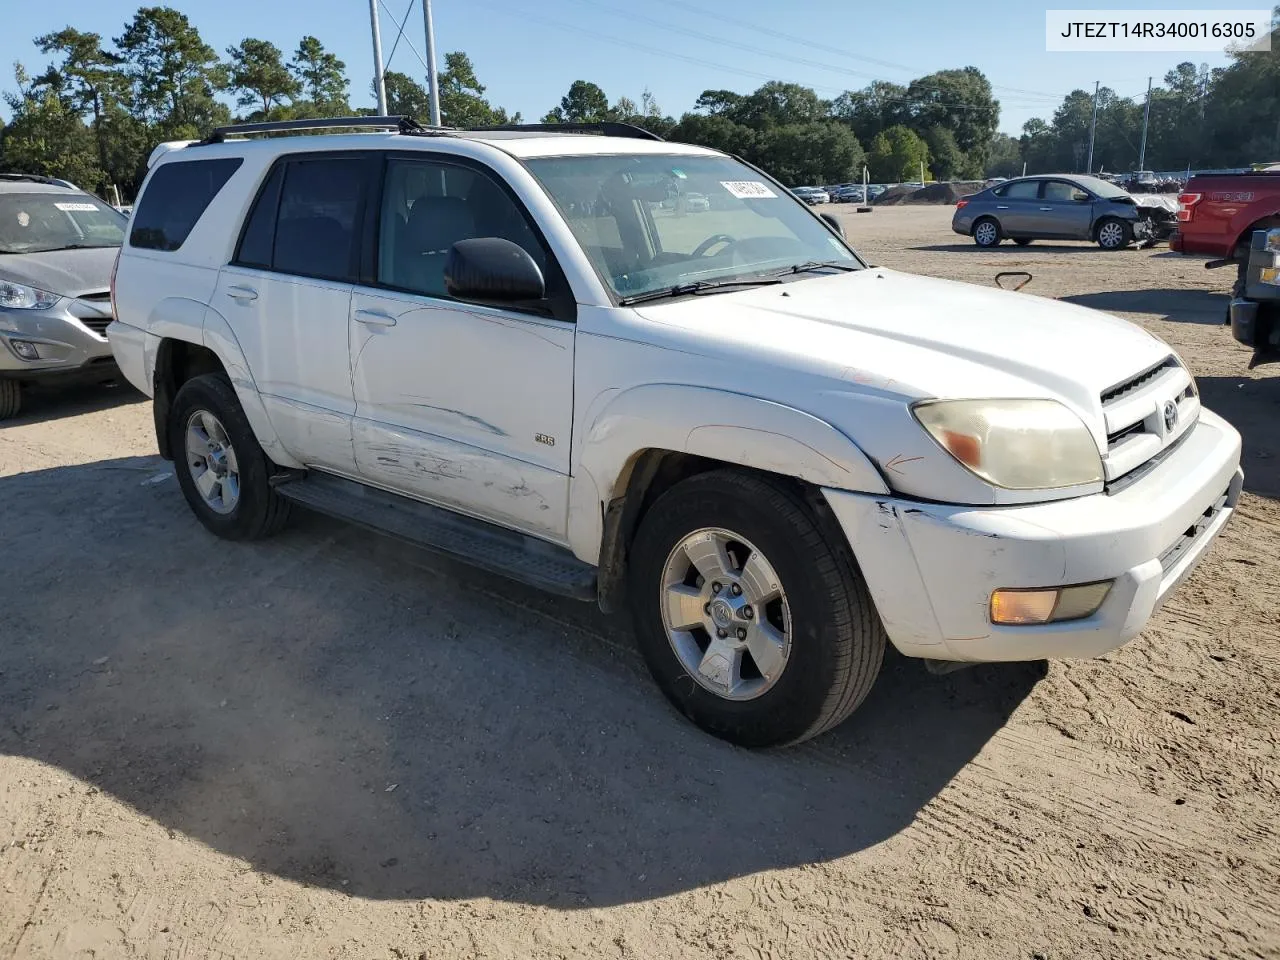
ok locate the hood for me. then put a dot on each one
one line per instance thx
(919, 337)
(68, 273)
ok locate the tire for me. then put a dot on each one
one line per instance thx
(834, 640)
(10, 398)
(986, 232)
(256, 510)
(1113, 234)
(1022, 241)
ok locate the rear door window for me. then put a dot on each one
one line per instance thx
(308, 218)
(1020, 190)
(178, 193)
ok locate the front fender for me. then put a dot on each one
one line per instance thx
(729, 427)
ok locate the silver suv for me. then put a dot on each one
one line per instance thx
(57, 248)
(1057, 207)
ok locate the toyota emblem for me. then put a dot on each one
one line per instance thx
(1170, 416)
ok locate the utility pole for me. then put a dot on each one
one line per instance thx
(1093, 126)
(379, 82)
(432, 83)
(1146, 115)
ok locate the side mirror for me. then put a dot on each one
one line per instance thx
(832, 222)
(492, 270)
(1080, 197)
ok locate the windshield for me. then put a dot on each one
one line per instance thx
(1101, 187)
(632, 216)
(38, 222)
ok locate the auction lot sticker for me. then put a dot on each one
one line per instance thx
(70, 207)
(1157, 31)
(747, 189)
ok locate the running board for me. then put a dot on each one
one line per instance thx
(485, 545)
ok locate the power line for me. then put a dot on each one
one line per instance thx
(698, 61)
(807, 42)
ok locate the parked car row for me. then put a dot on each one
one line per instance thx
(811, 195)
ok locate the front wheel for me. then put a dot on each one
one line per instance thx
(10, 398)
(751, 615)
(1114, 234)
(221, 468)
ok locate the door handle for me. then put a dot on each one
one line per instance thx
(1000, 206)
(242, 293)
(374, 319)
(1047, 209)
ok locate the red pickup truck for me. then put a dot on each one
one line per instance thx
(1217, 213)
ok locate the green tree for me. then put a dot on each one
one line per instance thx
(896, 155)
(406, 97)
(174, 76)
(779, 104)
(462, 101)
(814, 152)
(716, 131)
(716, 102)
(1004, 159)
(322, 79)
(258, 76)
(947, 161)
(46, 134)
(872, 110)
(584, 103)
(89, 74)
(960, 101)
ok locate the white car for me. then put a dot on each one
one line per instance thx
(775, 455)
(811, 195)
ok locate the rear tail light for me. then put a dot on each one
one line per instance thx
(961, 203)
(114, 267)
(1186, 205)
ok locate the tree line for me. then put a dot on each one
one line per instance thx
(96, 113)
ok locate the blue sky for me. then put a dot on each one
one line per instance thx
(527, 52)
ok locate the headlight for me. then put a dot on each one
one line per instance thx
(19, 296)
(1016, 444)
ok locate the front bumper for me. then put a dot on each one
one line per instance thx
(66, 337)
(931, 568)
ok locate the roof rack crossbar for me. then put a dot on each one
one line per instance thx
(401, 124)
(34, 178)
(607, 128)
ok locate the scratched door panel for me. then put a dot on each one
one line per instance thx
(465, 406)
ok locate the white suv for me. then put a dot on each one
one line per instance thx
(502, 345)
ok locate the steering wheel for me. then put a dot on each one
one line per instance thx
(701, 249)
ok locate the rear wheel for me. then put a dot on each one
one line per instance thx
(1114, 234)
(986, 232)
(221, 468)
(10, 398)
(752, 617)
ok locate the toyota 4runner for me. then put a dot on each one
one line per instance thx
(502, 345)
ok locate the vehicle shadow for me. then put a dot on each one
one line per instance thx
(1180, 305)
(49, 401)
(338, 709)
(1252, 405)
(1010, 249)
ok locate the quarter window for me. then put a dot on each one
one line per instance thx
(178, 193)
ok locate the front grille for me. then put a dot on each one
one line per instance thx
(1116, 392)
(1140, 422)
(99, 297)
(97, 324)
(1193, 533)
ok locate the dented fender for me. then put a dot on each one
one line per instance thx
(218, 336)
(717, 424)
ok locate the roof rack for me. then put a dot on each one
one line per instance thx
(35, 178)
(605, 128)
(397, 123)
(411, 127)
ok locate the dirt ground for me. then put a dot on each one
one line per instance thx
(330, 745)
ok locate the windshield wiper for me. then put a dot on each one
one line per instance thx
(810, 265)
(698, 288)
(78, 246)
